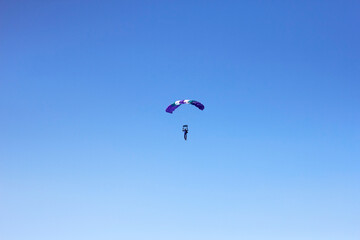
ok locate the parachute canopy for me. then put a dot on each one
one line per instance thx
(176, 104)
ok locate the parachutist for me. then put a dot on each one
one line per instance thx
(185, 134)
(185, 130)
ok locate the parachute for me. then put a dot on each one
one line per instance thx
(171, 108)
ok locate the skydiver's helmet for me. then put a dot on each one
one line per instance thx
(185, 128)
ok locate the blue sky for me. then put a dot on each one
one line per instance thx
(88, 152)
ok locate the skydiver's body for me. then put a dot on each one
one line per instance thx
(185, 133)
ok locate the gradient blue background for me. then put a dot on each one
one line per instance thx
(88, 152)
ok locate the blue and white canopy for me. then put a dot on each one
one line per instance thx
(171, 108)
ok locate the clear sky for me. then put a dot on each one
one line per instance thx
(87, 150)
